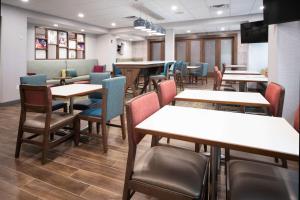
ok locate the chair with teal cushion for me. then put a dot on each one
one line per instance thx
(113, 94)
(162, 76)
(40, 80)
(201, 72)
(116, 71)
(93, 99)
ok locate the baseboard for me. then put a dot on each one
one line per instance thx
(10, 103)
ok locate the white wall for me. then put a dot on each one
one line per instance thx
(106, 48)
(242, 52)
(257, 56)
(127, 49)
(13, 51)
(139, 49)
(284, 56)
(170, 45)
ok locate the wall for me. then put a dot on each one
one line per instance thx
(242, 49)
(106, 47)
(126, 49)
(284, 56)
(257, 56)
(13, 51)
(139, 49)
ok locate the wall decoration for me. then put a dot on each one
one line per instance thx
(80, 38)
(58, 44)
(40, 43)
(62, 39)
(120, 48)
(52, 37)
(40, 54)
(72, 54)
(62, 53)
(72, 44)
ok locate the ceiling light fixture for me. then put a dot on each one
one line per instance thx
(81, 15)
(219, 12)
(113, 24)
(82, 30)
(25, 1)
(222, 28)
(188, 31)
(139, 23)
(55, 25)
(145, 25)
(174, 8)
(261, 7)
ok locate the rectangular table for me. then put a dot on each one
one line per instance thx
(235, 66)
(132, 70)
(73, 90)
(264, 135)
(223, 97)
(241, 72)
(244, 78)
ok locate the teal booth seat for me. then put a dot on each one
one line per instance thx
(94, 99)
(40, 80)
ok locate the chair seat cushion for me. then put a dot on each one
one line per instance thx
(92, 112)
(38, 121)
(58, 104)
(86, 104)
(172, 168)
(252, 180)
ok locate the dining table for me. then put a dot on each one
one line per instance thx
(252, 99)
(243, 79)
(263, 135)
(236, 67)
(74, 90)
(241, 72)
(132, 70)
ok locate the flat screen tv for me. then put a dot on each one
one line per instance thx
(254, 32)
(280, 11)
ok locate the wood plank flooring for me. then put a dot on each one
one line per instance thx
(74, 173)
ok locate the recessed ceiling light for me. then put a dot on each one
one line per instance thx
(188, 31)
(130, 39)
(81, 15)
(82, 30)
(222, 28)
(55, 25)
(25, 1)
(261, 7)
(174, 7)
(117, 37)
(219, 12)
(113, 24)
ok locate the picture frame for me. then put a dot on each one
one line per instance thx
(40, 33)
(80, 38)
(40, 43)
(62, 39)
(52, 37)
(80, 46)
(72, 44)
(62, 53)
(40, 54)
(72, 54)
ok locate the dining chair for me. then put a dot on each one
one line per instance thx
(99, 68)
(180, 74)
(201, 72)
(116, 71)
(112, 105)
(37, 118)
(253, 180)
(218, 83)
(163, 172)
(41, 80)
(155, 79)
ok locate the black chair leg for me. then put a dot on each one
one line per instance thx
(19, 143)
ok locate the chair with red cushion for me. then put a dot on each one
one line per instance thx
(296, 119)
(275, 96)
(153, 173)
(166, 92)
(99, 68)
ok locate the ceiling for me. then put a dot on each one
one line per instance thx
(103, 12)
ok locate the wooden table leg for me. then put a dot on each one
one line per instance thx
(131, 76)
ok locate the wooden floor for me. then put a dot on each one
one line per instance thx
(83, 172)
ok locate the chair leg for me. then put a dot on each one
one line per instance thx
(126, 192)
(205, 147)
(90, 127)
(284, 163)
(122, 117)
(104, 136)
(98, 127)
(197, 147)
(227, 158)
(65, 108)
(276, 160)
(19, 142)
(45, 147)
(77, 131)
(168, 140)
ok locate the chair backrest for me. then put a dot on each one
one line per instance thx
(35, 99)
(137, 110)
(167, 67)
(116, 71)
(97, 79)
(296, 119)
(275, 96)
(166, 92)
(38, 80)
(204, 69)
(115, 88)
(223, 68)
(99, 68)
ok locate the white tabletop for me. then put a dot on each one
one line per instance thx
(71, 90)
(241, 72)
(193, 67)
(142, 63)
(244, 78)
(265, 135)
(235, 66)
(223, 97)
